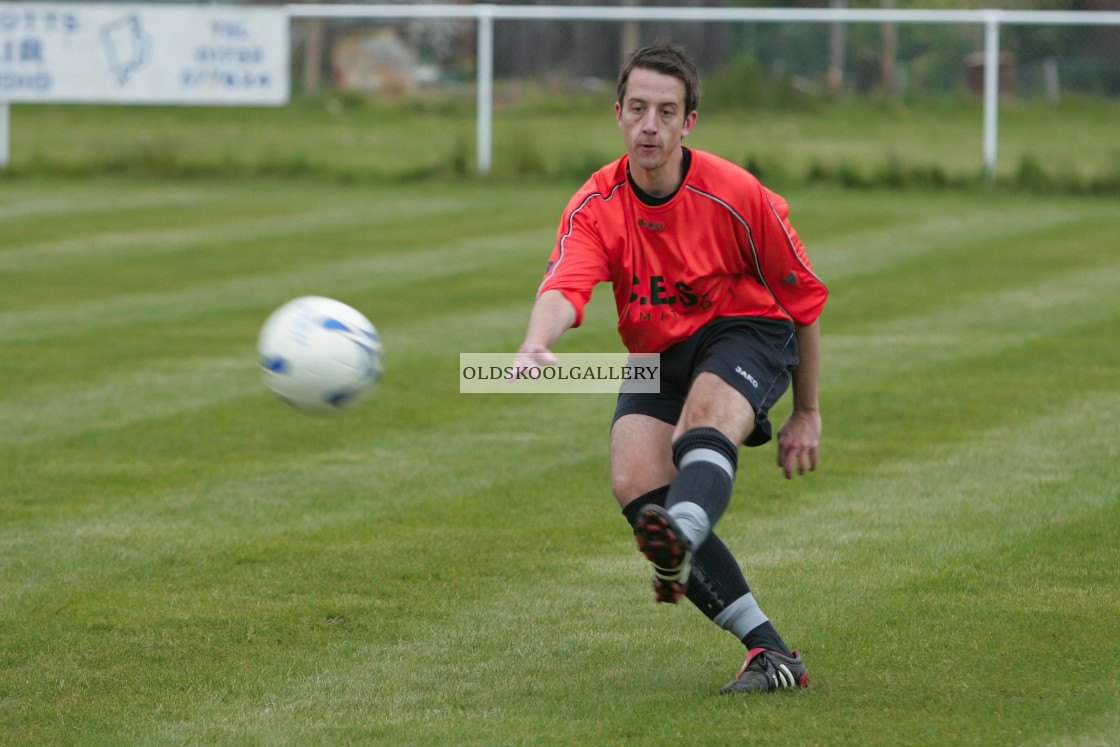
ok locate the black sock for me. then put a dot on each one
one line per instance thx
(766, 636)
(707, 461)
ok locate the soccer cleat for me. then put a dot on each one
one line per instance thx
(665, 546)
(765, 670)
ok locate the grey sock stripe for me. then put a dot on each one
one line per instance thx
(693, 521)
(741, 616)
(707, 455)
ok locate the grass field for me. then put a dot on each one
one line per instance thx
(185, 561)
(1069, 145)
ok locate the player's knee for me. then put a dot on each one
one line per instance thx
(630, 484)
(624, 488)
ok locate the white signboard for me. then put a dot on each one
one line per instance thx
(143, 54)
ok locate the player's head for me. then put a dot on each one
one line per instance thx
(667, 59)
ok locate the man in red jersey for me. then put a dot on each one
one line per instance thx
(708, 272)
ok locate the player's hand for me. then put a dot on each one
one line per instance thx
(798, 442)
(533, 357)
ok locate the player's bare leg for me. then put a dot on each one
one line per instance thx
(713, 403)
(642, 465)
(642, 471)
(641, 456)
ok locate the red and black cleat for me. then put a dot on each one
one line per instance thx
(764, 670)
(665, 546)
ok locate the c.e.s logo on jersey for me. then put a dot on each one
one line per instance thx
(656, 291)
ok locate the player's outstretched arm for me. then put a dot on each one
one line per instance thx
(800, 437)
(552, 315)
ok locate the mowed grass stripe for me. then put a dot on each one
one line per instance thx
(987, 324)
(824, 582)
(33, 201)
(906, 237)
(371, 273)
(442, 565)
(394, 479)
(201, 228)
(1018, 476)
(91, 264)
(541, 651)
(1060, 302)
(408, 678)
(366, 462)
(170, 326)
(369, 587)
(975, 555)
(62, 409)
(39, 324)
(354, 462)
(961, 273)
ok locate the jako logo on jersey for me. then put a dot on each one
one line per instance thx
(752, 380)
(656, 292)
(651, 225)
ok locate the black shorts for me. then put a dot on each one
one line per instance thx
(755, 355)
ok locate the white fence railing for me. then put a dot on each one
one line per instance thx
(485, 15)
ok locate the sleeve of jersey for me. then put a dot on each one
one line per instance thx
(785, 266)
(578, 261)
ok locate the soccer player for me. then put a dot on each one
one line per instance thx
(707, 271)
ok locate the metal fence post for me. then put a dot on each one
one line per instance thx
(991, 94)
(485, 103)
(5, 122)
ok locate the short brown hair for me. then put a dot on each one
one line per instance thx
(667, 59)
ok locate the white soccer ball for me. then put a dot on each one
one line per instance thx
(319, 355)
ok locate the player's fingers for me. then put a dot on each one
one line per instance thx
(528, 361)
(787, 455)
(807, 460)
(797, 458)
(536, 358)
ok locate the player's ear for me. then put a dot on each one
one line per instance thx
(689, 123)
(618, 113)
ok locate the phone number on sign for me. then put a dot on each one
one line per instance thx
(239, 79)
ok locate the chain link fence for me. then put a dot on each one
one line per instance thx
(849, 59)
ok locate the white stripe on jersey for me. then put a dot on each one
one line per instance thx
(567, 233)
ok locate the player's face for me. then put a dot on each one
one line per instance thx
(653, 122)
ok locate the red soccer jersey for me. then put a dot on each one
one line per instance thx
(722, 246)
